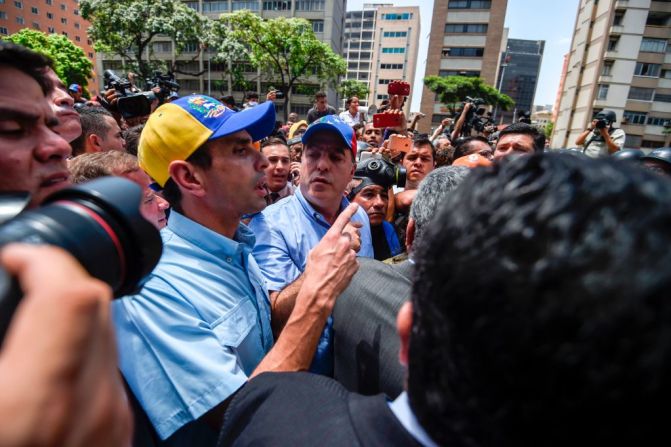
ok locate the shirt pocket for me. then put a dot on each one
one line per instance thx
(233, 327)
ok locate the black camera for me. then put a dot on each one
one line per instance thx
(98, 222)
(133, 103)
(381, 172)
(601, 124)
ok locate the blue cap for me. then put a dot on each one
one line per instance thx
(334, 124)
(75, 88)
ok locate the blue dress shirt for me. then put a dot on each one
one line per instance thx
(197, 329)
(401, 409)
(285, 233)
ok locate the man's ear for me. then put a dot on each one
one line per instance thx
(404, 327)
(187, 177)
(93, 143)
(410, 234)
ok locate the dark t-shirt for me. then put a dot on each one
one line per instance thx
(314, 114)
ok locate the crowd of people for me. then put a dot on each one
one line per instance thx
(329, 282)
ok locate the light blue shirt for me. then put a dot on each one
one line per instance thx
(197, 329)
(285, 233)
(401, 409)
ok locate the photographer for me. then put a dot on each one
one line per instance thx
(58, 370)
(604, 139)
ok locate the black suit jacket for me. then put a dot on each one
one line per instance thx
(366, 342)
(303, 409)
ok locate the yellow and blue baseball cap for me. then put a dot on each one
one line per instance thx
(175, 130)
(333, 124)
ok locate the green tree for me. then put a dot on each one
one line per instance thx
(70, 62)
(286, 50)
(352, 87)
(454, 89)
(549, 127)
(126, 28)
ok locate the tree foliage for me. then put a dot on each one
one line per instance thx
(286, 50)
(352, 87)
(454, 89)
(127, 27)
(549, 128)
(70, 62)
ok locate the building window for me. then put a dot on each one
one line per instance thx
(18, 4)
(472, 28)
(395, 34)
(367, 35)
(612, 43)
(469, 4)
(645, 69)
(641, 94)
(635, 117)
(607, 68)
(64, 21)
(384, 81)
(399, 16)
(3, 30)
(277, 6)
(317, 26)
(77, 25)
(656, 121)
(391, 66)
(382, 97)
(242, 4)
(51, 29)
(36, 26)
(310, 5)
(366, 45)
(215, 6)
(602, 93)
(34, 10)
(90, 55)
(48, 2)
(617, 18)
(50, 15)
(20, 20)
(463, 52)
(446, 73)
(162, 47)
(78, 39)
(76, 12)
(193, 5)
(393, 50)
(653, 45)
(662, 98)
(65, 33)
(63, 7)
(3, 15)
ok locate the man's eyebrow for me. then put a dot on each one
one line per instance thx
(7, 114)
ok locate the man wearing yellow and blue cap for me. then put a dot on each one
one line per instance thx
(289, 229)
(200, 327)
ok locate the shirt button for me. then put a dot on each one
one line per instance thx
(229, 260)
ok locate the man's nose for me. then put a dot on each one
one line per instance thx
(51, 146)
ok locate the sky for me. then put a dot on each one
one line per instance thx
(548, 20)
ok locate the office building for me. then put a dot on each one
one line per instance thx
(48, 16)
(620, 60)
(326, 17)
(518, 76)
(381, 45)
(465, 40)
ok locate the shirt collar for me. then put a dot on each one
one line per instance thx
(401, 409)
(209, 240)
(310, 211)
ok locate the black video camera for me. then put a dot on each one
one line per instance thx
(133, 103)
(164, 83)
(381, 172)
(99, 223)
(601, 124)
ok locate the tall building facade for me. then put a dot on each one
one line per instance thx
(327, 19)
(518, 75)
(620, 60)
(48, 16)
(465, 40)
(381, 45)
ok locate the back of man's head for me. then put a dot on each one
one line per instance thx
(540, 307)
(433, 190)
(526, 129)
(93, 123)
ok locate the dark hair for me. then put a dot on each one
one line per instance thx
(93, 123)
(541, 312)
(526, 129)
(348, 101)
(273, 141)
(424, 140)
(202, 158)
(27, 61)
(251, 95)
(464, 145)
(230, 100)
(319, 95)
(132, 138)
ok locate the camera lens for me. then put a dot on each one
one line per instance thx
(100, 224)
